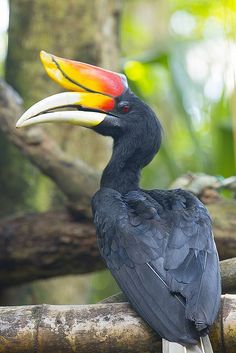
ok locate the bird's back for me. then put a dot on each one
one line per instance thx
(159, 247)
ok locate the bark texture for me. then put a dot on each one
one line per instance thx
(46, 245)
(228, 275)
(223, 214)
(110, 327)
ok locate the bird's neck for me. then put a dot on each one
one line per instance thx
(123, 170)
(131, 152)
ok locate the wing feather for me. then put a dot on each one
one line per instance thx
(161, 251)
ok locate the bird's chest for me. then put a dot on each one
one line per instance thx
(108, 209)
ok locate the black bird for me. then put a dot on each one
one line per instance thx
(158, 244)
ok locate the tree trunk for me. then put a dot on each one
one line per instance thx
(78, 29)
(45, 245)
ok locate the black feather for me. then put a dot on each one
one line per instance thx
(161, 251)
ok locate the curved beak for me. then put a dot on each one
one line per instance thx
(45, 110)
(94, 92)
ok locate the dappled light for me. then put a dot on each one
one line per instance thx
(187, 73)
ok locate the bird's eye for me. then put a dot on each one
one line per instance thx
(124, 107)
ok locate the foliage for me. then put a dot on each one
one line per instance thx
(187, 75)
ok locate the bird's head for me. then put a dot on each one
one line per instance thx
(98, 99)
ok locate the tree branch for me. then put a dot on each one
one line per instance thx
(46, 245)
(75, 178)
(96, 328)
(223, 214)
(228, 275)
(54, 243)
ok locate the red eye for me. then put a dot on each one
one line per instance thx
(125, 109)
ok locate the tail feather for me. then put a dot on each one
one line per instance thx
(172, 347)
(204, 346)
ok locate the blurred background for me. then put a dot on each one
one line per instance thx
(179, 56)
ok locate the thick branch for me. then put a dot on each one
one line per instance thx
(46, 245)
(76, 179)
(223, 214)
(228, 275)
(96, 328)
(53, 243)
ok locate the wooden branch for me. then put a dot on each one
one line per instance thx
(228, 275)
(223, 214)
(76, 179)
(46, 245)
(54, 243)
(96, 328)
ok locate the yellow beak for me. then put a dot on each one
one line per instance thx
(43, 111)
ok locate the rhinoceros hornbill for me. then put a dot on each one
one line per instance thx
(158, 244)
